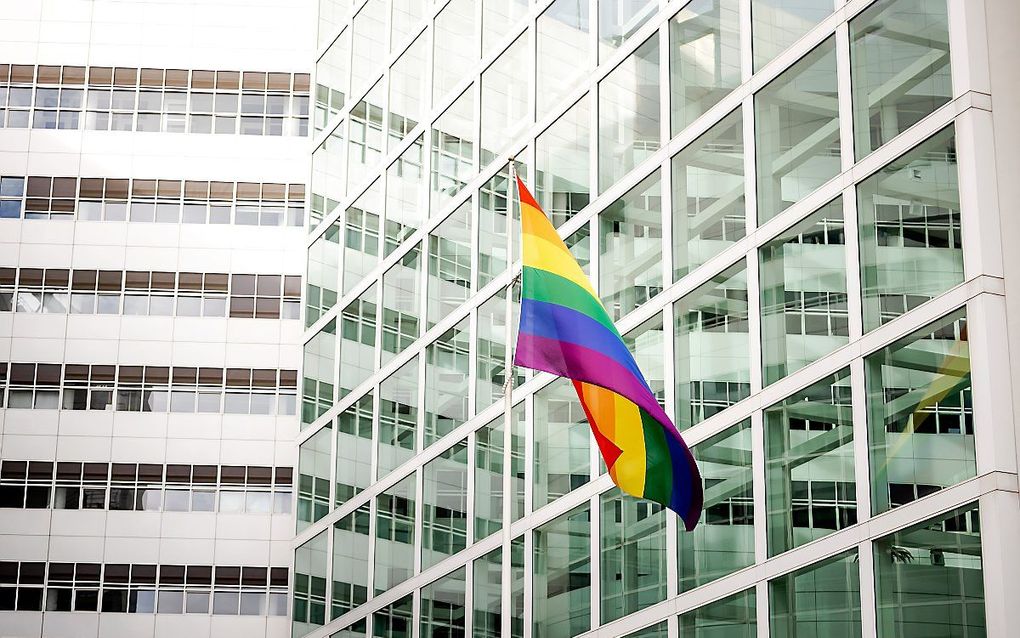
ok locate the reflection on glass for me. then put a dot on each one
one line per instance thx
(821, 600)
(319, 374)
(489, 464)
(365, 141)
(708, 195)
(398, 417)
(447, 360)
(454, 46)
(899, 62)
(453, 150)
(444, 531)
(405, 209)
(449, 282)
(327, 178)
(357, 629)
(490, 349)
(498, 18)
(408, 90)
(920, 413)
(361, 235)
(809, 449)
(404, 17)
(633, 560)
(629, 106)
(505, 99)
(563, 31)
(350, 561)
(712, 345)
(563, 158)
(724, 540)
(369, 29)
(704, 58)
(401, 304)
(776, 24)
(353, 450)
(488, 595)
(518, 467)
(797, 131)
(561, 605)
(394, 535)
(618, 20)
(331, 80)
(647, 343)
(492, 237)
(732, 617)
(630, 248)
(803, 293)
(323, 275)
(658, 630)
(309, 605)
(911, 248)
(332, 15)
(394, 620)
(928, 579)
(442, 606)
(561, 443)
(358, 328)
(313, 478)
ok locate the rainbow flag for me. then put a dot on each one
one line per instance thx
(566, 330)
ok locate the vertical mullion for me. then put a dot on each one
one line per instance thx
(672, 526)
(844, 97)
(867, 587)
(758, 461)
(595, 571)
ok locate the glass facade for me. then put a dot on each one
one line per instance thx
(752, 209)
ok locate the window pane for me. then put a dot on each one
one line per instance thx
(492, 226)
(618, 20)
(361, 235)
(803, 293)
(704, 58)
(398, 417)
(323, 274)
(455, 46)
(309, 587)
(405, 192)
(408, 90)
(809, 441)
(563, 34)
(899, 62)
(353, 450)
(712, 344)
(505, 99)
(445, 507)
(724, 541)
(394, 545)
(488, 595)
(402, 298)
(442, 606)
(562, 443)
(776, 24)
(490, 364)
(350, 561)
(630, 268)
(369, 31)
(629, 105)
(446, 382)
(708, 195)
(453, 149)
(365, 144)
(911, 248)
(797, 131)
(562, 576)
(920, 413)
(394, 620)
(313, 478)
(358, 328)
(319, 374)
(327, 179)
(733, 617)
(405, 17)
(633, 548)
(488, 474)
(821, 600)
(331, 80)
(563, 157)
(928, 578)
(449, 283)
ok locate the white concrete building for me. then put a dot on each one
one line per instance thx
(153, 163)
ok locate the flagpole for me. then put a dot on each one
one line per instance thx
(506, 610)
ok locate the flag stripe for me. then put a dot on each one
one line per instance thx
(565, 330)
